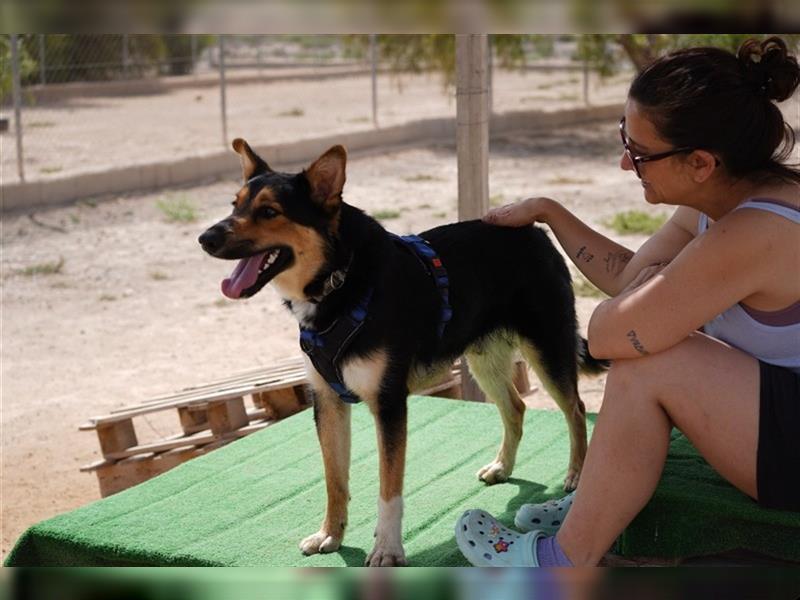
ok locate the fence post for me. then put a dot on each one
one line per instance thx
(472, 147)
(373, 57)
(125, 58)
(222, 90)
(194, 53)
(586, 82)
(489, 73)
(42, 68)
(259, 40)
(17, 101)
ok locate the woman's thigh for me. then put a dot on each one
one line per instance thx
(710, 391)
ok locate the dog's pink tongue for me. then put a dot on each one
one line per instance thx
(243, 276)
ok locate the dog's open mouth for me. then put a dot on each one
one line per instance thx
(254, 272)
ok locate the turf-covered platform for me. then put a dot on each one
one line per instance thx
(252, 501)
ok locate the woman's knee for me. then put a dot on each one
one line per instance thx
(637, 379)
(645, 377)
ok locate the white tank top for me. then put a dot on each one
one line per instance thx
(772, 337)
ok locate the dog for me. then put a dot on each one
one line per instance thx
(396, 314)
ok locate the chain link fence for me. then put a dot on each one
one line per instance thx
(94, 102)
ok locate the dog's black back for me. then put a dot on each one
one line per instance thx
(502, 280)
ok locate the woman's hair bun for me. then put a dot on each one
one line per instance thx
(769, 68)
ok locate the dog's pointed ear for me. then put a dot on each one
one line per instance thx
(326, 177)
(252, 163)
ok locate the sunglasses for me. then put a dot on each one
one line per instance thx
(636, 160)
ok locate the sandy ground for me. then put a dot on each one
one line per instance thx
(95, 133)
(135, 310)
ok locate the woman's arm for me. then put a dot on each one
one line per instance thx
(730, 262)
(607, 264)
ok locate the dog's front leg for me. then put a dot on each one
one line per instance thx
(390, 412)
(332, 418)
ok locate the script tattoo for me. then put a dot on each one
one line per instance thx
(584, 254)
(616, 261)
(636, 343)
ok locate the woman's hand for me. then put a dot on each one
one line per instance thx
(645, 275)
(524, 212)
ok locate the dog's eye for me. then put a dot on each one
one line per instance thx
(266, 212)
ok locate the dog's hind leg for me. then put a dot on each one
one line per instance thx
(490, 362)
(559, 376)
(332, 418)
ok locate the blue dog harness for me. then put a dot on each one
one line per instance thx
(325, 348)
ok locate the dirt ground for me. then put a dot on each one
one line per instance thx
(135, 308)
(87, 134)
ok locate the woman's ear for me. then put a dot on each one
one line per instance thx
(702, 164)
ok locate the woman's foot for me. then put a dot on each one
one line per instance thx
(485, 542)
(546, 517)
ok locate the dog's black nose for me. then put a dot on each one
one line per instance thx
(212, 238)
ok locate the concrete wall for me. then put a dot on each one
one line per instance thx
(141, 177)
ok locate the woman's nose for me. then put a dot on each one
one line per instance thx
(625, 162)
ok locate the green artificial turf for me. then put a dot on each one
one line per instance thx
(251, 502)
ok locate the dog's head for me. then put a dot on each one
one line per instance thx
(281, 226)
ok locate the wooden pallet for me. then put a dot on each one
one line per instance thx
(210, 416)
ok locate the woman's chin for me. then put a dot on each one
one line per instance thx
(649, 195)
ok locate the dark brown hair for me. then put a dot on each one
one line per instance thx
(726, 103)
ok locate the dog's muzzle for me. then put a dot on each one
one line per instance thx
(213, 238)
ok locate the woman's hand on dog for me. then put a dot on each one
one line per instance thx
(518, 214)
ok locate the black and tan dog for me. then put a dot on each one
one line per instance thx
(509, 290)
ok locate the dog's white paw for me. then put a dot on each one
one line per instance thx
(320, 543)
(571, 480)
(386, 554)
(494, 472)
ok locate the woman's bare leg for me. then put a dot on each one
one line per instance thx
(709, 390)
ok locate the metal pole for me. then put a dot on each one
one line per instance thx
(42, 77)
(125, 58)
(194, 53)
(586, 82)
(222, 90)
(373, 57)
(17, 102)
(259, 40)
(472, 147)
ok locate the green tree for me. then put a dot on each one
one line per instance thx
(603, 51)
(27, 65)
(437, 52)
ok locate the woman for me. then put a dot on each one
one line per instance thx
(702, 132)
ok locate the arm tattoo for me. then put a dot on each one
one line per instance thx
(584, 254)
(616, 261)
(634, 339)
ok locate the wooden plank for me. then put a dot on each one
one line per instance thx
(115, 477)
(193, 418)
(283, 402)
(447, 389)
(279, 367)
(174, 443)
(93, 422)
(116, 436)
(199, 399)
(255, 378)
(224, 417)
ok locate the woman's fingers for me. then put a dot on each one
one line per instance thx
(510, 214)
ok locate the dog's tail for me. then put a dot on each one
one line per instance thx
(589, 365)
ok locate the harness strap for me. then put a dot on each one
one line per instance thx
(433, 264)
(325, 348)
